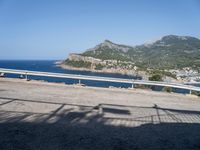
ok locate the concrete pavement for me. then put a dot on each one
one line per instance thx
(31, 108)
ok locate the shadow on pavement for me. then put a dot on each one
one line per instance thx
(116, 128)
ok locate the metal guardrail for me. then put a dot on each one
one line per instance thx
(97, 78)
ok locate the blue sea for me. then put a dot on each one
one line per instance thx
(50, 66)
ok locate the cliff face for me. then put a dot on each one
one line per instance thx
(77, 57)
(80, 62)
(109, 64)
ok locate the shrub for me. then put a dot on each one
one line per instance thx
(99, 67)
(141, 86)
(195, 93)
(156, 77)
(167, 89)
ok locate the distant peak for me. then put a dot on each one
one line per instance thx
(108, 41)
(176, 37)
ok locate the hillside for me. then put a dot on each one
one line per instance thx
(169, 52)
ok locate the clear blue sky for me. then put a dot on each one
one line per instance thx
(51, 29)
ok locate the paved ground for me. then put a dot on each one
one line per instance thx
(39, 115)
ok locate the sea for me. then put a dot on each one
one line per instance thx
(50, 66)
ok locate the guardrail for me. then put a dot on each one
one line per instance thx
(26, 73)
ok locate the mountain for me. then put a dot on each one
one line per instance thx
(169, 52)
(109, 51)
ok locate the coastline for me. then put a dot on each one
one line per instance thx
(141, 74)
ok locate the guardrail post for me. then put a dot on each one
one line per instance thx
(132, 86)
(79, 81)
(2, 74)
(26, 76)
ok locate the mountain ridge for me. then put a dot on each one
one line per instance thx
(167, 53)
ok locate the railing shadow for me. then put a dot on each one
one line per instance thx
(83, 127)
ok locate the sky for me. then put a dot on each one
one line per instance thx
(51, 29)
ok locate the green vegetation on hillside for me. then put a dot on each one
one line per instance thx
(99, 67)
(171, 52)
(162, 73)
(156, 77)
(106, 53)
(156, 59)
(78, 64)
